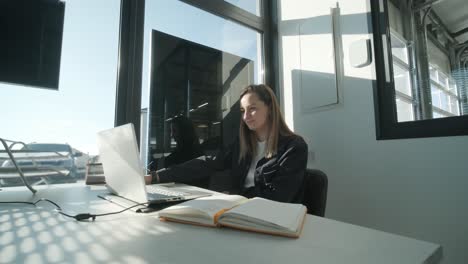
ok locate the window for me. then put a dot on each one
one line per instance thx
(67, 118)
(423, 49)
(98, 56)
(195, 62)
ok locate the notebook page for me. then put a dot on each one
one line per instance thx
(208, 205)
(281, 214)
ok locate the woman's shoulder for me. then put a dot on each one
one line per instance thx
(292, 140)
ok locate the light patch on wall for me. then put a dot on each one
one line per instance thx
(304, 8)
(317, 52)
(290, 62)
(354, 7)
(321, 66)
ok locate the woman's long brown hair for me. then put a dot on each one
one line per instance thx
(276, 124)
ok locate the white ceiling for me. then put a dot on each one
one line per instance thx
(454, 14)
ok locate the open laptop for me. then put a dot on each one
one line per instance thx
(124, 173)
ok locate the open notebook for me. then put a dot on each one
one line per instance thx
(235, 211)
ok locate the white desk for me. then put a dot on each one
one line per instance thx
(35, 235)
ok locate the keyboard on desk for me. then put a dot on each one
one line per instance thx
(158, 193)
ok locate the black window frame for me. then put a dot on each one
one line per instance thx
(387, 125)
(130, 59)
(265, 24)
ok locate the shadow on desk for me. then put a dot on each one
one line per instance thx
(40, 235)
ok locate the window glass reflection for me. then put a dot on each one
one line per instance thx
(195, 65)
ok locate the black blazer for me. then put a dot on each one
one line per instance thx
(277, 178)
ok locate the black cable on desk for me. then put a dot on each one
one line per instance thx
(78, 217)
(34, 203)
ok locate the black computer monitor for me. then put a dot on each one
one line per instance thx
(31, 42)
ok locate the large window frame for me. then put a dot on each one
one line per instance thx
(387, 125)
(129, 75)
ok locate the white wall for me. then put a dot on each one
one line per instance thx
(412, 187)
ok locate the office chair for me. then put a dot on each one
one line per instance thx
(315, 192)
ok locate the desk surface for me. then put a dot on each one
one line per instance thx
(39, 235)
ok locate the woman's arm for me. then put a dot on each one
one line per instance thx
(189, 172)
(287, 178)
(195, 170)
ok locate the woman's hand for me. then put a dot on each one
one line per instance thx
(148, 179)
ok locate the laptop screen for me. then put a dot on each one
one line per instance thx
(120, 158)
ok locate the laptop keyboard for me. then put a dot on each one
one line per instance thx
(155, 192)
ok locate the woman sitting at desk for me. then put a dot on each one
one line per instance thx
(267, 160)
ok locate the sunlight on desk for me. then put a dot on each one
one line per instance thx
(28, 245)
(46, 237)
(33, 235)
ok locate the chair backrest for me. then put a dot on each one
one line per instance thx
(315, 192)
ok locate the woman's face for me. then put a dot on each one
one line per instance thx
(254, 112)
